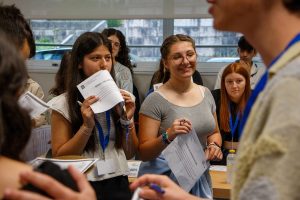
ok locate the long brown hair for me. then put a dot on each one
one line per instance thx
(225, 99)
(85, 44)
(163, 75)
(123, 56)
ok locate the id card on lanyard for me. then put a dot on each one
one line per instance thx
(233, 127)
(261, 85)
(105, 166)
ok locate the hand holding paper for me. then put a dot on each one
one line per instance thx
(32, 103)
(101, 85)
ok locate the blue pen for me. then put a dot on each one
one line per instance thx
(157, 188)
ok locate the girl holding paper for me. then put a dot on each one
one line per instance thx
(76, 130)
(174, 109)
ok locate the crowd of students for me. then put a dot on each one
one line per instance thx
(259, 123)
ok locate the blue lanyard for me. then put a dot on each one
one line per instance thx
(258, 88)
(103, 140)
(261, 85)
(233, 127)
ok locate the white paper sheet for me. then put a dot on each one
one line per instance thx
(102, 85)
(220, 168)
(81, 164)
(134, 166)
(32, 103)
(186, 159)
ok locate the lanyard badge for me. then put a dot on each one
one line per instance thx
(103, 139)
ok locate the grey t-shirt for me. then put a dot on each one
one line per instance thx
(159, 108)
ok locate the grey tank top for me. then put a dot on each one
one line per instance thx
(159, 108)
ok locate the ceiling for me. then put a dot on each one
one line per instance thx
(111, 9)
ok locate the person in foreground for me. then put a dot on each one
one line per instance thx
(271, 136)
(15, 127)
(267, 166)
(19, 33)
(172, 190)
(56, 191)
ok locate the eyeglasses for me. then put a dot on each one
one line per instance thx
(179, 58)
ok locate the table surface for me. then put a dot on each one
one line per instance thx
(221, 189)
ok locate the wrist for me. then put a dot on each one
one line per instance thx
(131, 125)
(85, 130)
(214, 144)
(126, 122)
(165, 138)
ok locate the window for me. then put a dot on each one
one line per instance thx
(144, 37)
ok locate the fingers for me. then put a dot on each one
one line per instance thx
(89, 101)
(127, 97)
(213, 153)
(79, 178)
(147, 193)
(182, 126)
(150, 178)
(22, 195)
(43, 182)
(87, 112)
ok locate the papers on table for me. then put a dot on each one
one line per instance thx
(134, 166)
(101, 85)
(81, 164)
(33, 104)
(186, 159)
(221, 168)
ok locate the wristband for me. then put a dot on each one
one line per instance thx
(214, 144)
(125, 122)
(165, 138)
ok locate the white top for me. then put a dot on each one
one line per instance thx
(59, 104)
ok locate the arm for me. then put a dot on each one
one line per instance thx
(172, 190)
(63, 141)
(56, 191)
(214, 142)
(151, 145)
(130, 146)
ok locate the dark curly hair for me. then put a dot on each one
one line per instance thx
(123, 56)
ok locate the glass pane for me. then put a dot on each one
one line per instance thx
(215, 46)
(54, 37)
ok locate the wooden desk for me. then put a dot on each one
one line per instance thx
(221, 189)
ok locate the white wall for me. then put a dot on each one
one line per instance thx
(142, 75)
